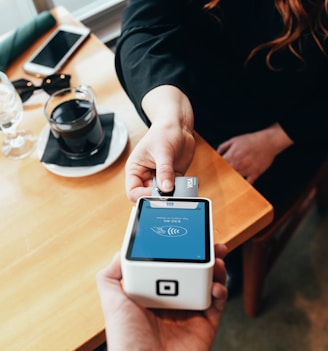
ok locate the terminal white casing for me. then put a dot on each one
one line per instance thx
(171, 285)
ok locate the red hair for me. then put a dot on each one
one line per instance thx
(296, 19)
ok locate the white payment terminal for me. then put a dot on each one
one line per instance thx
(168, 253)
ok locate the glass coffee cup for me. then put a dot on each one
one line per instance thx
(74, 122)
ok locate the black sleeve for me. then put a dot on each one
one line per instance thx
(150, 49)
(308, 122)
(154, 50)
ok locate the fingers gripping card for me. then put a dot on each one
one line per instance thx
(183, 187)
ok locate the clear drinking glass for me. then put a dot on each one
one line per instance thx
(18, 144)
(74, 122)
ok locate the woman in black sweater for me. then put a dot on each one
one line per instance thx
(249, 76)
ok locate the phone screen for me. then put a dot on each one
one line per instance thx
(176, 230)
(56, 49)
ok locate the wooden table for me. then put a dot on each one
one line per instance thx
(57, 232)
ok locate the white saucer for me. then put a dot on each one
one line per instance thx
(117, 146)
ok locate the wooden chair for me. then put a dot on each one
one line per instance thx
(262, 251)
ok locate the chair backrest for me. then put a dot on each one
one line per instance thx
(261, 252)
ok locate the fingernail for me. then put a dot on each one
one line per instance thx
(167, 186)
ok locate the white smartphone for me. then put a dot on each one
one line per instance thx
(56, 50)
(168, 253)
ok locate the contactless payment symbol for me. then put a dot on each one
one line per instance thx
(170, 231)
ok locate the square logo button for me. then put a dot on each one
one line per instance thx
(167, 288)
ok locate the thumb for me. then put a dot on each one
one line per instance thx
(165, 178)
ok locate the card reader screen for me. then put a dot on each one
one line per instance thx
(176, 230)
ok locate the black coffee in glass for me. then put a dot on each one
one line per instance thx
(75, 123)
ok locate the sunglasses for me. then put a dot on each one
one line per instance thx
(25, 88)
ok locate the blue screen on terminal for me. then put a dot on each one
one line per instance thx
(175, 230)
